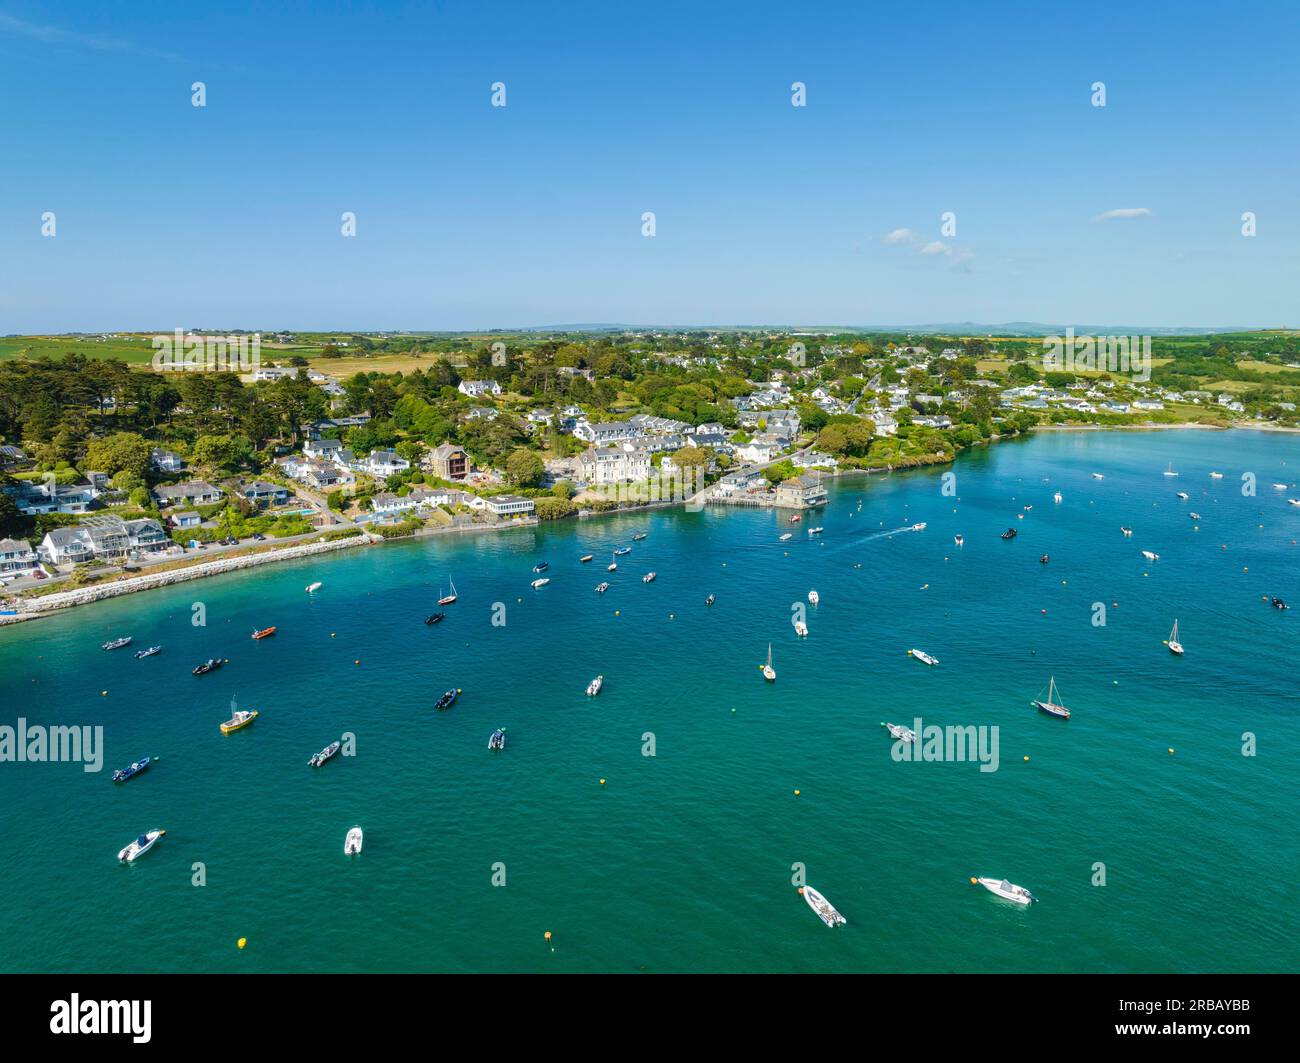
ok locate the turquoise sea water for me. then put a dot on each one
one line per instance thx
(683, 861)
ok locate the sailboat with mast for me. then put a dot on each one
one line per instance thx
(1051, 706)
(769, 673)
(447, 599)
(1175, 647)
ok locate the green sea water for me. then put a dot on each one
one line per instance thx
(683, 861)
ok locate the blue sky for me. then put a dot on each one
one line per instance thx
(470, 216)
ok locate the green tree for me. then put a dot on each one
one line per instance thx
(524, 468)
(119, 452)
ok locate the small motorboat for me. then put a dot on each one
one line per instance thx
(266, 632)
(240, 719)
(140, 846)
(498, 739)
(1051, 706)
(451, 596)
(1294, 501)
(542, 582)
(813, 597)
(919, 527)
(1010, 533)
(147, 653)
(1184, 495)
(601, 588)
(312, 588)
(649, 577)
(1008, 891)
(796, 519)
(960, 540)
(923, 657)
(710, 599)
(638, 537)
(769, 673)
(1044, 559)
(117, 644)
(786, 537)
(435, 618)
(900, 733)
(1279, 604)
(317, 759)
(825, 910)
(1098, 476)
(612, 567)
(1126, 530)
(622, 551)
(1281, 487)
(1216, 476)
(801, 629)
(816, 531)
(1056, 497)
(352, 843)
(210, 665)
(1194, 515)
(593, 688)
(1175, 647)
(1027, 507)
(448, 699)
(130, 772)
(1150, 556)
(585, 558)
(541, 566)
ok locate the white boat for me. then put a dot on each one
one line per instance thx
(814, 597)
(825, 910)
(1281, 487)
(900, 733)
(1194, 515)
(1150, 556)
(612, 567)
(448, 599)
(542, 582)
(1294, 501)
(1175, 647)
(601, 588)
(1049, 705)
(1056, 497)
(769, 673)
(593, 688)
(919, 527)
(649, 577)
(1216, 476)
(140, 846)
(352, 844)
(1126, 530)
(312, 588)
(960, 540)
(786, 537)
(1008, 891)
(1098, 476)
(923, 657)
(816, 531)
(801, 629)
(1183, 495)
(1170, 471)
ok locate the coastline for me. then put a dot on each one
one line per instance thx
(61, 600)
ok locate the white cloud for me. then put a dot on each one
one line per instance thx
(1123, 212)
(936, 247)
(900, 236)
(60, 37)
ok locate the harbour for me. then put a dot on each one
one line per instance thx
(684, 860)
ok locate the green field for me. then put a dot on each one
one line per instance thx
(132, 349)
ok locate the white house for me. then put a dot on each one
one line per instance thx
(165, 460)
(506, 506)
(384, 463)
(606, 432)
(17, 558)
(478, 388)
(610, 465)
